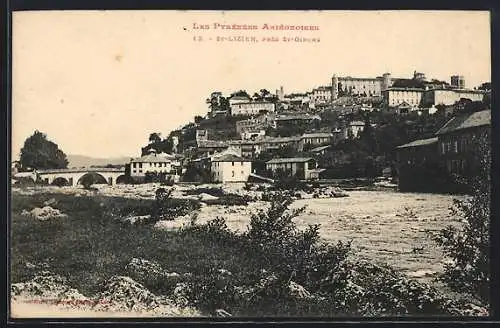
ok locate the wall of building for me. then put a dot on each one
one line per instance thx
(251, 108)
(140, 169)
(231, 171)
(291, 169)
(449, 97)
(394, 97)
(321, 95)
(358, 86)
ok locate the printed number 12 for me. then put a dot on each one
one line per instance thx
(197, 38)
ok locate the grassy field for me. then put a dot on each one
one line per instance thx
(88, 247)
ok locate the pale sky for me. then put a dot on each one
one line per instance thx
(99, 82)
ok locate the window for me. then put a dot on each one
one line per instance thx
(140, 165)
(455, 146)
(241, 163)
(232, 173)
(443, 148)
(232, 163)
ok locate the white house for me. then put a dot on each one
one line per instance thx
(230, 168)
(302, 167)
(252, 134)
(356, 127)
(251, 107)
(154, 163)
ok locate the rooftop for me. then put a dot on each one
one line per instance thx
(298, 117)
(420, 142)
(152, 158)
(317, 135)
(289, 160)
(254, 102)
(211, 143)
(360, 78)
(229, 158)
(318, 149)
(405, 89)
(466, 121)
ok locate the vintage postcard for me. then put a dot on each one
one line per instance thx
(250, 164)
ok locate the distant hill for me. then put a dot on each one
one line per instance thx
(81, 160)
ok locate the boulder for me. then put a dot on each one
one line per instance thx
(205, 196)
(298, 291)
(150, 272)
(49, 288)
(123, 294)
(44, 213)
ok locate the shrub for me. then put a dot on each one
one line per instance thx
(216, 192)
(229, 200)
(25, 182)
(166, 207)
(290, 183)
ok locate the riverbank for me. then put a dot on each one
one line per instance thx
(89, 247)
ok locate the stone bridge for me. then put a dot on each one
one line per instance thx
(73, 176)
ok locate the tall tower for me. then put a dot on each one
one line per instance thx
(418, 76)
(386, 81)
(335, 87)
(458, 81)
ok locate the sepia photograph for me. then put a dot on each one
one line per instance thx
(250, 164)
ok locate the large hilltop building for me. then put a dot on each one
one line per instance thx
(370, 87)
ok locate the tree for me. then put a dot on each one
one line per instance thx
(154, 138)
(367, 136)
(468, 246)
(240, 93)
(40, 153)
(158, 145)
(485, 86)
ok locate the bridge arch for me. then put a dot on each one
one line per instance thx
(98, 178)
(121, 179)
(61, 181)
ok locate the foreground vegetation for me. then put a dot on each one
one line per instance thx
(272, 269)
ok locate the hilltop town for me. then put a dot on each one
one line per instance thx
(353, 128)
(301, 187)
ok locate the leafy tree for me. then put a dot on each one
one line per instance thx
(240, 93)
(485, 86)
(468, 246)
(154, 137)
(158, 145)
(367, 136)
(40, 153)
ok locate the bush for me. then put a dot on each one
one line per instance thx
(290, 183)
(166, 207)
(216, 192)
(24, 182)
